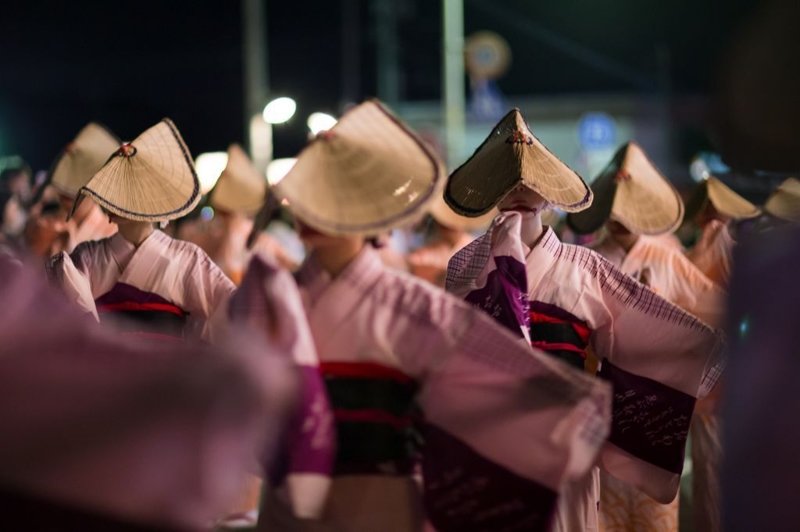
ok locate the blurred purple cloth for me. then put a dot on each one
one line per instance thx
(160, 434)
(761, 463)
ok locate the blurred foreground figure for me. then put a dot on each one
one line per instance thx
(236, 198)
(758, 125)
(141, 280)
(104, 434)
(411, 371)
(637, 205)
(575, 305)
(54, 225)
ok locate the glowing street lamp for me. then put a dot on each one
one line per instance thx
(318, 122)
(277, 169)
(279, 110)
(209, 166)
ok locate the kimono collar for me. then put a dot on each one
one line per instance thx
(541, 257)
(364, 268)
(123, 250)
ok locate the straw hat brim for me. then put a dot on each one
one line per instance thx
(500, 163)
(644, 201)
(784, 203)
(77, 162)
(156, 183)
(728, 202)
(446, 216)
(241, 187)
(368, 174)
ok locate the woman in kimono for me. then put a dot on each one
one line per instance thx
(638, 205)
(502, 426)
(75, 166)
(451, 233)
(236, 197)
(140, 280)
(714, 208)
(582, 310)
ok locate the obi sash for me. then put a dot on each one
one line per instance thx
(375, 415)
(135, 311)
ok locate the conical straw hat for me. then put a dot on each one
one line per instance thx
(149, 179)
(512, 155)
(82, 158)
(723, 198)
(633, 192)
(241, 187)
(367, 174)
(447, 217)
(784, 203)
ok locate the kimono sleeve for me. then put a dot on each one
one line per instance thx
(269, 301)
(205, 290)
(659, 359)
(504, 425)
(62, 272)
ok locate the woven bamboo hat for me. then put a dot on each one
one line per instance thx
(241, 187)
(723, 198)
(367, 174)
(512, 155)
(82, 158)
(633, 192)
(784, 203)
(446, 216)
(149, 179)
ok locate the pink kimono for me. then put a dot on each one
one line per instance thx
(103, 433)
(668, 273)
(430, 261)
(501, 426)
(573, 303)
(165, 288)
(713, 252)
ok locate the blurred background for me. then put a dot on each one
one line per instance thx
(587, 75)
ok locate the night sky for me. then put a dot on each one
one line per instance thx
(128, 64)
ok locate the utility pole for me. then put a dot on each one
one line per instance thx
(258, 134)
(351, 52)
(453, 86)
(385, 13)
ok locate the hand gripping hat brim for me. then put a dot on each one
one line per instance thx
(784, 203)
(241, 187)
(368, 174)
(633, 192)
(511, 155)
(149, 179)
(82, 158)
(723, 198)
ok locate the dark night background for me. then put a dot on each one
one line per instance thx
(128, 64)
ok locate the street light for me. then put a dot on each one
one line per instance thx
(279, 110)
(277, 169)
(318, 122)
(209, 166)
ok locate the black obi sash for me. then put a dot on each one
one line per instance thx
(134, 311)
(376, 418)
(559, 333)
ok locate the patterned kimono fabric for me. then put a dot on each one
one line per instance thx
(669, 273)
(164, 290)
(584, 311)
(407, 365)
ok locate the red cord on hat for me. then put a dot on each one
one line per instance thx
(127, 150)
(518, 137)
(622, 176)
